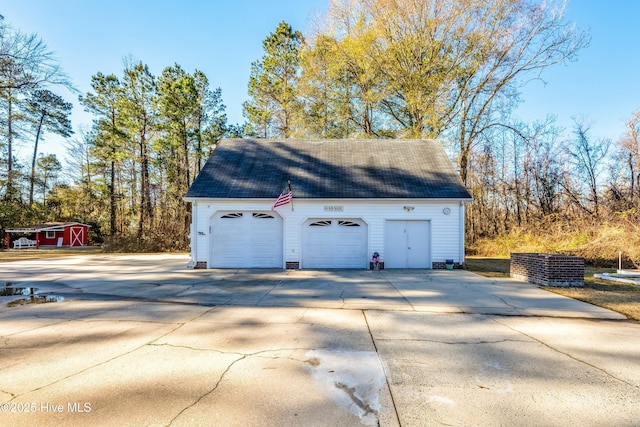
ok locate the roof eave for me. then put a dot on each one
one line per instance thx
(331, 199)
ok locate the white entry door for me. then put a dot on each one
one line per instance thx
(334, 243)
(407, 244)
(246, 240)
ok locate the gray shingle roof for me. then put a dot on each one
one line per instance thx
(326, 169)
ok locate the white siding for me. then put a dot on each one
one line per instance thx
(445, 229)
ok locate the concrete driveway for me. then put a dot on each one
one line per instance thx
(141, 340)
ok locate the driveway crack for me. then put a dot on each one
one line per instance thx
(454, 342)
(8, 336)
(193, 348)
(226, 371)
(383, 365)
(9, 393)
(505, 302)
(215, 387)
(272, 288)
(104, 362)
(604, 371)
(398, 291)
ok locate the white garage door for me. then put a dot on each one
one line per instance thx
(407, 244)
(245, 240)
(334, 243)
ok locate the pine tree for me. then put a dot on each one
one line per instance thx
(46, 111)
(273, 102)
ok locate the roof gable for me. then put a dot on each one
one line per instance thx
(329, 169)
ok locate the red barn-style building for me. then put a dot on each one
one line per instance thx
(53, 234)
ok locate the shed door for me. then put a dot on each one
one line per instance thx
(334, 243)
(76, 237)
(407, 244)
(246, 240)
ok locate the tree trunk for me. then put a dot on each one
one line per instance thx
(146, 213)
(9, 195)
(35, 156)
(112, 199)
(463, 161)
(465, 148)
(185, 148)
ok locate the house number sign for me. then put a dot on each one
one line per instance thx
(334, 208)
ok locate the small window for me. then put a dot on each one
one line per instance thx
(348, 224)
(320, 224)
(51, 234)
(232, 215)
(262, 215)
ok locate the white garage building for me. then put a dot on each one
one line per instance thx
(351, 198)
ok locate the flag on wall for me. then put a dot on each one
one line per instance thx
(285, 197)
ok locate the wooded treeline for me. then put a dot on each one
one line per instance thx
(151, 136)
(128, 173)
(446, 69)
(28, 109)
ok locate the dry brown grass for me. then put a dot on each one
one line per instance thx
(619, 297)
(488, 267)
(600, 243)
(623, 298)
(23, 254)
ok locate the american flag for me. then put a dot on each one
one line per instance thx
(285, 197)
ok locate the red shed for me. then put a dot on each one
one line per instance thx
(54, 234)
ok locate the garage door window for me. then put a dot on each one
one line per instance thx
(334, 243)
(246, 239)
(262, 215)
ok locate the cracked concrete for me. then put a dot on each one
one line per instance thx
(142, 340)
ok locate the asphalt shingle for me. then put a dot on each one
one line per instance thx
(325, 169)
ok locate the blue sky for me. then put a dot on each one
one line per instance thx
(222, 38)
(603, 85)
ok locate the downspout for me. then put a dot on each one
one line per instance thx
(194, 233)
(462, 251)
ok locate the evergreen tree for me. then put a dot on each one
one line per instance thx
(105, 103)
(26, 64)
(49, 167)
(273, 103)
(46, 111)
(138, 109)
